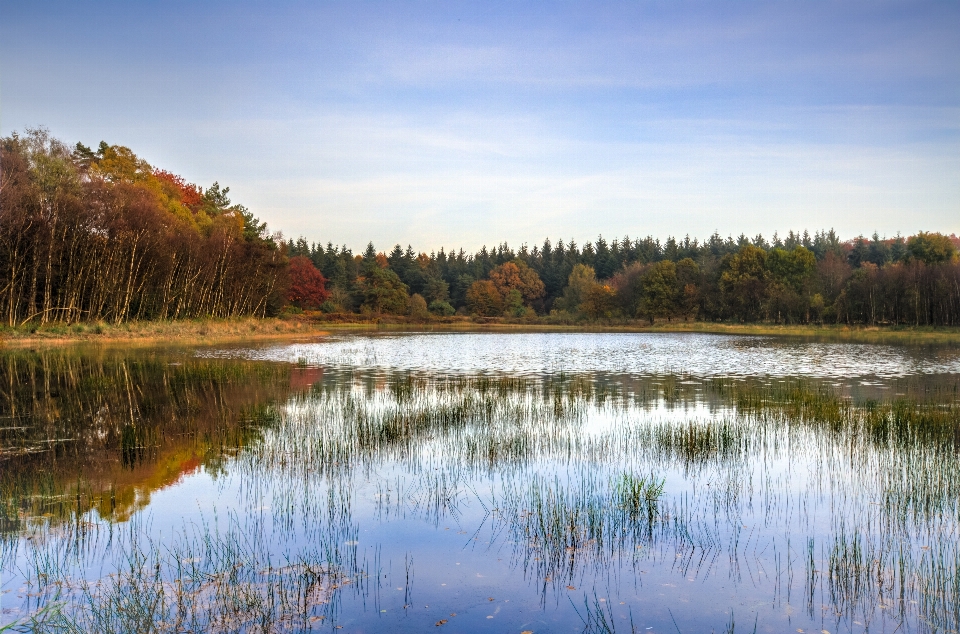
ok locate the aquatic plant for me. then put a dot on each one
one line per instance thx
(574, 475)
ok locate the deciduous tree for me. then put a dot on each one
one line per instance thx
(308, 287)
(484, 299)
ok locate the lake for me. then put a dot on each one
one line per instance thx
(482, 482)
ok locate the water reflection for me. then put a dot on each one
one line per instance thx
(702, 355)
(103, 429)
(384, 496)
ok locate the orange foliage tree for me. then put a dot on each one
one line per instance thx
(101, 235)
(484, 299)
(517, 276)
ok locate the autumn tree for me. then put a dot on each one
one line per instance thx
(628, 287)
(484, 299)
(516, 275)
(417, 307)
(102, 235)
(600, 302)
(832, 274)
(308, 287)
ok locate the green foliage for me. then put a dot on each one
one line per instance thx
(718, 279)
(660, 290)
(513, 304)
(793, 269)
(931, 248)
(442, 308)
(581, 281)
(381, 291)
(791, 276)
(216, 198)
(436, 290)
(743, 282)
(636, 493)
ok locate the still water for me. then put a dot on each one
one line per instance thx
(482, 482)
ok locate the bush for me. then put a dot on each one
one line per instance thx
(442, 308)
(513, 304)
(418, 306)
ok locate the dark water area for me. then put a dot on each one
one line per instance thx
(482, 482)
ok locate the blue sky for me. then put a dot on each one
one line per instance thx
(454, 124)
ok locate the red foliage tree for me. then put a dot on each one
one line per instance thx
(308, 287)
(189, 193)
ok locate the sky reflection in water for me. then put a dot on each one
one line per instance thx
(482, 480)
(701, 355)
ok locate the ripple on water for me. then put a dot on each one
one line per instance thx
(703, 355)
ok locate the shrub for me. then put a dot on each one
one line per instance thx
(442, 308)
(418, 306)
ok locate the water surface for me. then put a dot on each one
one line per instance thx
(487, 482)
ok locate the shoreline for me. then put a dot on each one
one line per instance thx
(192, 332)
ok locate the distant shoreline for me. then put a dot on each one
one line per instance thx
(201, 331)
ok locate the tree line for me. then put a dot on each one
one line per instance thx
(101, 235)
(801, 278)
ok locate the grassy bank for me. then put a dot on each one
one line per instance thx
(226, 330)
(184, 331)
(827, 332)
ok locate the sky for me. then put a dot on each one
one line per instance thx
(447, 124)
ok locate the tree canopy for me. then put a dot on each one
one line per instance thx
(89, 235)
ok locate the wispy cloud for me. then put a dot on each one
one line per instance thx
(463, 124)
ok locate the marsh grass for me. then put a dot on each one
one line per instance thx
(673, 474)
(205, 579)
(598, 617)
